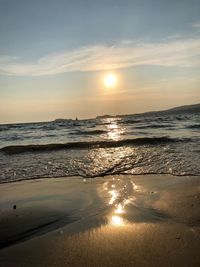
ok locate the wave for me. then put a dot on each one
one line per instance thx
(94, 132)
(194, 126)
(87, 145)
(154, 126)
(130, 121)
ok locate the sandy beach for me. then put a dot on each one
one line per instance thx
(146, 220)
(99, 133)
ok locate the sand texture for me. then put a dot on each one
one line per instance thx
(151, 220)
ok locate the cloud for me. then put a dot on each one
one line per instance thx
(196, 25)
(177, 52)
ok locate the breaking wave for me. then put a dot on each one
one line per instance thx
(87, 145)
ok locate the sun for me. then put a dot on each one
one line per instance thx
(110, 80)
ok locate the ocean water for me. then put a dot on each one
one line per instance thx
(133, 144)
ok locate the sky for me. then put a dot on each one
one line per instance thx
(54, 56)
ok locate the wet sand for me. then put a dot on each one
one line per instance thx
(151, 220)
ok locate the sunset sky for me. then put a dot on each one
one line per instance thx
(54, 56)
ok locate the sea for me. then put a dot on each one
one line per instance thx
(150, 143)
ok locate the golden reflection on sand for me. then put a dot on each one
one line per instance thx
(117, 221)
(114, 195)
(120, 196)
(120, 209)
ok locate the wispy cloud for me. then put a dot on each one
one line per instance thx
(178, 52)
(196, 25)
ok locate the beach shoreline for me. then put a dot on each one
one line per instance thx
(141, 220)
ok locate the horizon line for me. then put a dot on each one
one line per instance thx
(109, 115)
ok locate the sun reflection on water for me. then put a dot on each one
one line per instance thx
(114, 129)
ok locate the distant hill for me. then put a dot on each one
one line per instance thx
(177, 110)
(104, 116)
(186, 108)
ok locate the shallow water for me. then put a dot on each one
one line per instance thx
(134, 144)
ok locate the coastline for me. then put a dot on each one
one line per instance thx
(74, 221)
